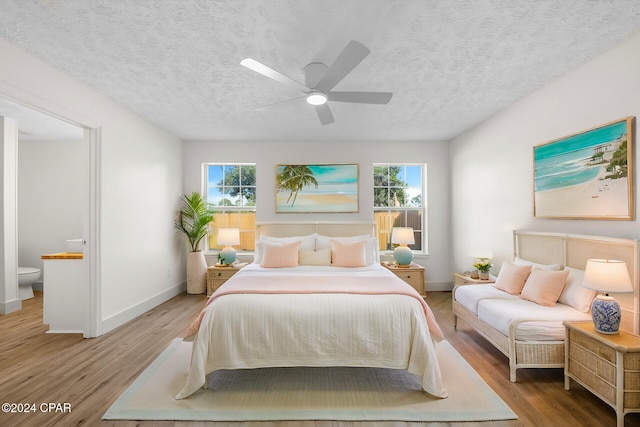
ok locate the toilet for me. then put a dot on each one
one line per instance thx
(27, 276)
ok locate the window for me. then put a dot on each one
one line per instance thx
(398, 201)
(231, 189)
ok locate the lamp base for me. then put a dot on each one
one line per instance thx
(403, 255)
(606, 315)
(227, 255)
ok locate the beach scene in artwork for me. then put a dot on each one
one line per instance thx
(317, 188)
(584, 175)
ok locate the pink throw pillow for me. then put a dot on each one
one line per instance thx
(544, 287)
(348, 254)
(511, 277)
(278, 256)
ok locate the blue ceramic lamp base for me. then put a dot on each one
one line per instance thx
(606, 315)
(403, 255)
(227, 256)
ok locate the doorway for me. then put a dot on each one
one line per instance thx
(56, 193)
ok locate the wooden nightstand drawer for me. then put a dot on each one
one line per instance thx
(413, 275)
(216, 276)
(224, 273)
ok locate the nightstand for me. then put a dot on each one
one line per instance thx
(606, 365)
(413, 275)
(462, 279)
(216, 276)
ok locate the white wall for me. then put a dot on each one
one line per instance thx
(268, 154)
(52, 190)
(139, 171)
(492, 165)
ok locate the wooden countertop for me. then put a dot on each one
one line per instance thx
(63, 255)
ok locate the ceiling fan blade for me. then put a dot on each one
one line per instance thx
(259, 67)
(324, 114)
(361, 97)
(280, 102)
(348, 59)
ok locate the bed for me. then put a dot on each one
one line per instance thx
(352, 312)
(531, 334)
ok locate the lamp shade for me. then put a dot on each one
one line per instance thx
(402, 236)
(228, 236)
(607, 275)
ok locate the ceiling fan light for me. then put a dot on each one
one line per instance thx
(316, 98)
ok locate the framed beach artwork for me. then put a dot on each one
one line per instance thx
(587, 175)
(317, 188)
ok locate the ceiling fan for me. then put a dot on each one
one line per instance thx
(320, 79)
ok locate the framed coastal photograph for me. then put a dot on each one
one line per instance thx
(587, 175)
(330, 188)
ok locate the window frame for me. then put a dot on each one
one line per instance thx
(246, 234)
(386, 234)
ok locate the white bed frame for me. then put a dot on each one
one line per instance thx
(569, 250)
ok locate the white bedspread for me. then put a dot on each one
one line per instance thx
(253, 330)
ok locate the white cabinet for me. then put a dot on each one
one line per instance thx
(65, 290)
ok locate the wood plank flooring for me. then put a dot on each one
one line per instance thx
(89, 374)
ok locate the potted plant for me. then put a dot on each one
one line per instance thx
(483, 265)
(193, 221)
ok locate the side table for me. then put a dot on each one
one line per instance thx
(413, 275)
(460, 279)
(217, 275)
(606, 365)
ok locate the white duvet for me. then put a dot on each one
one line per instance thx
(319, 316)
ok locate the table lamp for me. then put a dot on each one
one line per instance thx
(228, 237)
(606, 275)
(402, 236)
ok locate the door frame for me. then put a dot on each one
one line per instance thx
(91, 210)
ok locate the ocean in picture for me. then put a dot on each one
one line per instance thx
(577, 159)
(317, 188)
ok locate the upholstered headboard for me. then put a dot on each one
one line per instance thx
(574, 250)
(332, 229)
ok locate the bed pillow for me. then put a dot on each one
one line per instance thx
(348, 254)
(549, 267)
(321, 257)
(574, 294)
(511, 278)
(544, 287)
(307, 242)
(371, 250)
(278, 256)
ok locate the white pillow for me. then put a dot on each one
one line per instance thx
(321, 257)
(306, 242)
(547, 267)
(574, 294)
(371, 249)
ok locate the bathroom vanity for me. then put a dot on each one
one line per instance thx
(64, 292)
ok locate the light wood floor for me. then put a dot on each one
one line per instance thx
(89, 374)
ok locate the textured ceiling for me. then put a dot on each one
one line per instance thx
(450, 64)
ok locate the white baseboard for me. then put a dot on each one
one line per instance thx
(439, 286)
(10, 306)
(131, 313)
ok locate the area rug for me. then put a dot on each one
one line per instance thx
(287, 394)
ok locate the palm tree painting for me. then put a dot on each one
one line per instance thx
(316, 188)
